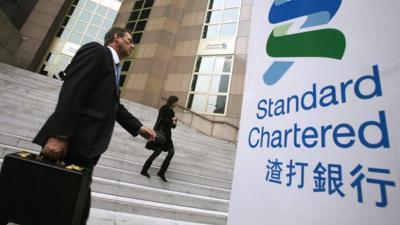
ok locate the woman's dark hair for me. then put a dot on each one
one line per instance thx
(172, 99)
(119, 31)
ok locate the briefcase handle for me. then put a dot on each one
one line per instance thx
(42, 156)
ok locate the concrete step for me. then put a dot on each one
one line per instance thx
(134, 148)
(11, 143)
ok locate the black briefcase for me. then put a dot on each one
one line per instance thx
(37, 192)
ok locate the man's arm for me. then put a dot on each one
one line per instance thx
(132, 124)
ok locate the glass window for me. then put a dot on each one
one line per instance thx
(101, 10)
(228, 30)
(65, 22)
(101, 34)
(130, 26)
(80, 26)
(97, 20)
(126, 65)
(76, 13)
(220, 84)
(227, 64)
(81, 3)
(136, 37)
(71, 23)
(59, 32)
(65, 35)
(201, 83)
(138, 5)
(71, 11)
(91, 6)
(85, 16)
(107, 24)
(232, 3)
(148, 3)
(214, 16)
(92, 31)
(145, 14)
(216, 4)
(197, 103)
(231, 15)
(87, 39)
(210, 31)
(205, 64)
(134, 15)
(75, 38)
(140, 25)
(219, 64)
(111, 14)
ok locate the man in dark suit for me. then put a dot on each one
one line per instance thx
(80, 128)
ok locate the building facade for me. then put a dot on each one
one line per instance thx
(195, 49)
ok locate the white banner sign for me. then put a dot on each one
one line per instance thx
(319, 135)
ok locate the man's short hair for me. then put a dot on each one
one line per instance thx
(119, 31)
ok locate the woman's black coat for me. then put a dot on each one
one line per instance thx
(164, 123)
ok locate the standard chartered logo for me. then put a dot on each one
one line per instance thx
(328, 43)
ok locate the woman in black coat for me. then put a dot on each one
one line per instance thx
(165, 121)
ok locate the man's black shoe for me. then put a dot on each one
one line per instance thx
(162, 176)
(145, 173)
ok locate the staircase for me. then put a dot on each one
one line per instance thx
(199, 177)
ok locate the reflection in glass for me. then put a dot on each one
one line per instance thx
(220, 84)
(228, 30)
(227, 64)
(216, 104)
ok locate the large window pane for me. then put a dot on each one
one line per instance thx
(228, 30)
(205, 64)
(75, 38)
(201, 83)
(148, 3)
(71, 23)
(140, 25)
(231, 15)
(214, 16)
(85, 16)
(101, 10)
(219, 64)
(216, 104)
(216, 4)
(134, 15)
(136, 37)
(80, 26)
(111, 14)
(145, 14)
(197, 103)
(138, 5)
(210, 31)
(220, 84)
(92, 31)
(107, 24)
(91, 6)
(97, 19)
(227, 64)
(232, 3)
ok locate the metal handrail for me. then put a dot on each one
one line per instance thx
(203, 117)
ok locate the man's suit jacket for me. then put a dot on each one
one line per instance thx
(88, 104)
